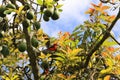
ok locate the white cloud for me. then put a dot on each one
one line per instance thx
(72, 15)
(74, 10)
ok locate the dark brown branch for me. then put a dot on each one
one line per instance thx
(106, 35)
(31, 54)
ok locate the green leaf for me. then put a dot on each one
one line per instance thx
(8, 11)
(78, 27)
(40, 2)
(59, 59)
(109, 42)
(29, 29)
(59, 6)
(60, 10)
(58, 55)
(73, 53)
(101, 25)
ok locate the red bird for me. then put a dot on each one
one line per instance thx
(50, 49)
(53, 47)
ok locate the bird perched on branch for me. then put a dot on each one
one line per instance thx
(50, 49)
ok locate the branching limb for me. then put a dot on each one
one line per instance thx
(31, 54)
(106, 35)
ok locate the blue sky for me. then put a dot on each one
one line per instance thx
(74, 14)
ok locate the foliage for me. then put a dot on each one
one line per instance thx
(26, 52)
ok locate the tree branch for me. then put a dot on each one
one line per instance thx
(106, 35)
(31, 54)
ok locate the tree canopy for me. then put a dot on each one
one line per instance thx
(28, 53)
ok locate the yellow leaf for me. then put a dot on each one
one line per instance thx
(73, 58)
(117, 57)
(106, 70)
(43, 56)
(61, 76)
(104, 8)
(116, 71)
(39, 32)
(90, 11)
(63, 51)
(49, 0)
(6, 39)
(100, 79)
(5, 77)
(69, 50)
(107, 77)
(105, 54)
(73, 76)
(19, 10)
(17, 20)
(90, 64)
(75, 52)
(111, 18)
(16, 77)
(109, 62)
(16, 50)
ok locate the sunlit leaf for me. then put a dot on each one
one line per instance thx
(104, 8)
(40, 2)
(19, 10)
(73, 58)
(74, 52)
(15, 77)
(105, 54)
(111, 18)
(6, 39)
(5, 77)
(109, 43)
(58, 55)
(106, 70)
(39, 32)
(107, 77)
(61, 76)
(63, 51)
(17, 20)
(59, 6)
(101, 25)
(90, 11)
(49, 1)
(117, 57)
(109, 62)
(78, 28)
(43, 56)
(59, 59)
